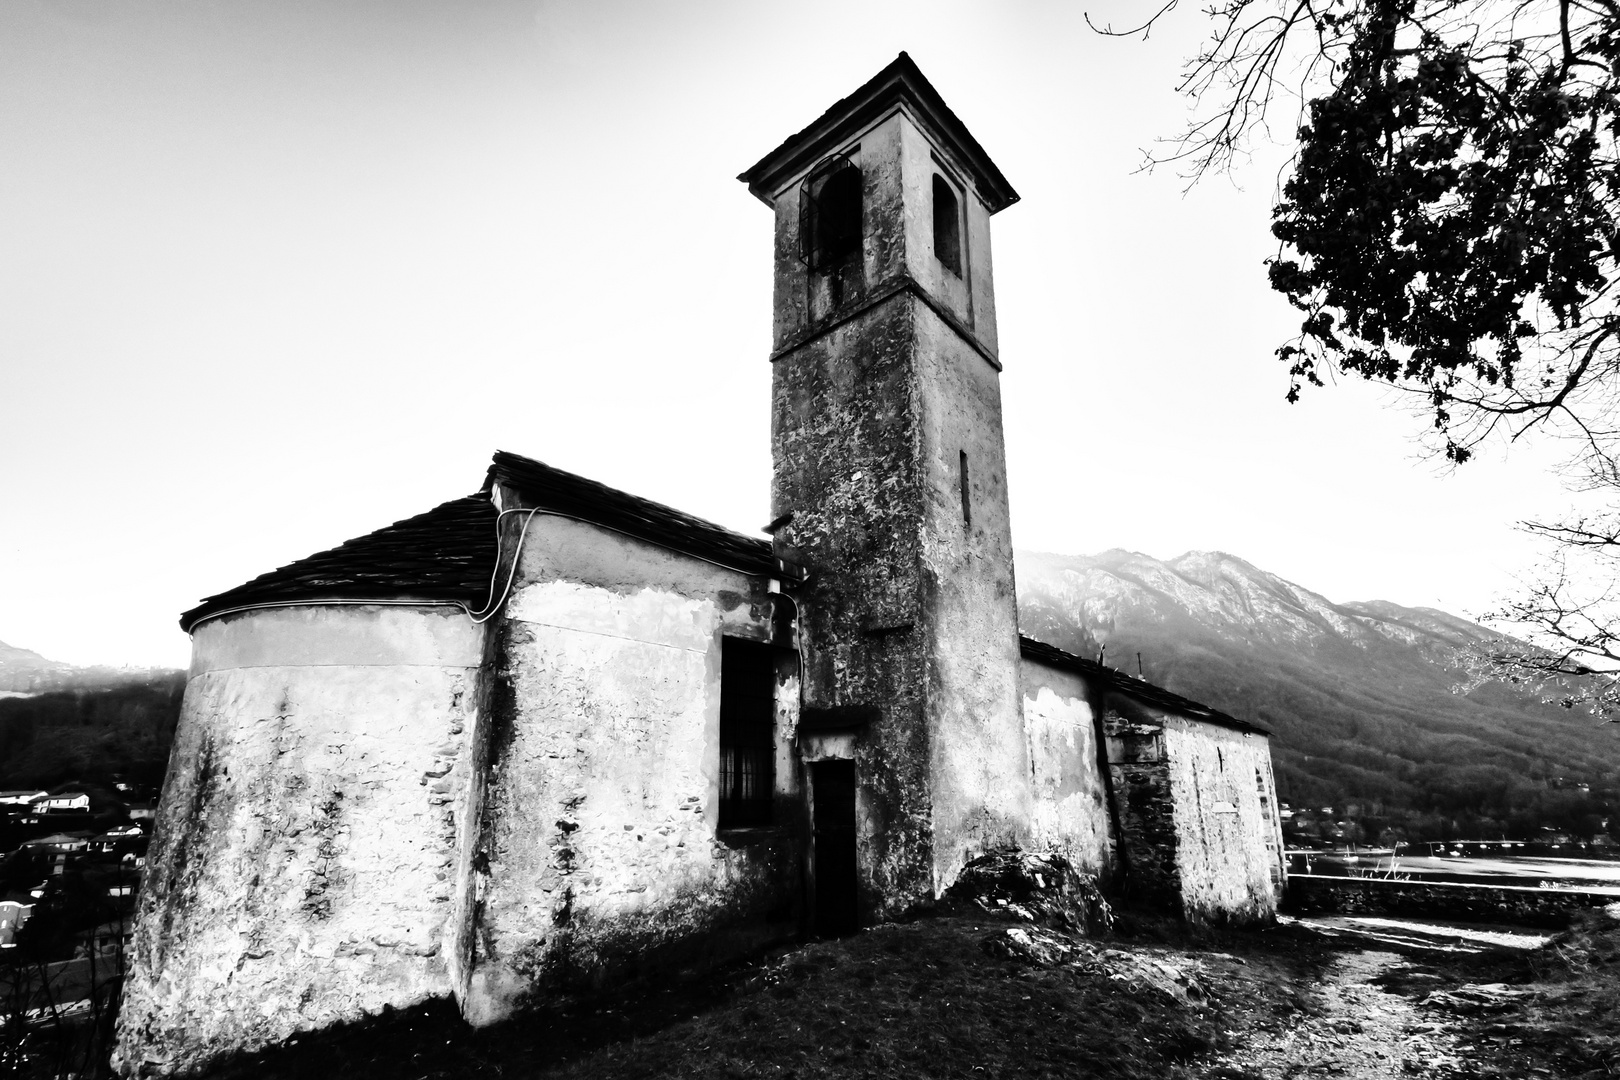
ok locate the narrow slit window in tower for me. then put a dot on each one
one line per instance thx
(947, 226)
(747, 733)
(830, 215)
(967, 509)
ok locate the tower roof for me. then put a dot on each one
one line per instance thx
(901, 83)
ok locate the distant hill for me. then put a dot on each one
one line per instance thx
(22, 670)
(1358, 695)
(59, 721)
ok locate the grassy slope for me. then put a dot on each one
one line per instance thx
(928, 1000)
(907, 1001)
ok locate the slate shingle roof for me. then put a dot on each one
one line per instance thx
(867, 103)
(1140, 689)
(447, 555)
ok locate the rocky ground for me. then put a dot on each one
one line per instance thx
(1348, 1026)
(1401, 999)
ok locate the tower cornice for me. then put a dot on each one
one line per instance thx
(903, 285)
(900, 84)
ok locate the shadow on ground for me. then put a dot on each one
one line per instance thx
(942, 997)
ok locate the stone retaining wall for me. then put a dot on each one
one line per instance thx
(1316, 894)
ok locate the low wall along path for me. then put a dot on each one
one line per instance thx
(1315, 894)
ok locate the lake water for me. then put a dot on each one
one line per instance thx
(1598, 874)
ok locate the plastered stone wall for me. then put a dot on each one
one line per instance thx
(969, 296)
(1311, 894)
(1220, 781)
(303, 861)
(844, 439)
(979, 753)
(1198, 833)
(803, 301)
(1069, 812)
(601, 855)
(1139, 769)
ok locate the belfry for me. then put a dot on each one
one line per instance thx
(889, 477)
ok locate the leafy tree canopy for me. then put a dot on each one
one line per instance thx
(1447, 227)
(1448, 224)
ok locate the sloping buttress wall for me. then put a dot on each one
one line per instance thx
(600, 853)
(302, 865)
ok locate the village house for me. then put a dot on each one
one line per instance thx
(119, 840)
(550, 735)
(68, 802)
(13, 914)
(67, 843)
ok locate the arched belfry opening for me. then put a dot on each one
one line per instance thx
(947, 226)
(830, 213)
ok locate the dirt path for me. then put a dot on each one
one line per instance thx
(1348, 1027)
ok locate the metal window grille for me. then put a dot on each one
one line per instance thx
(747, 733)
(830, 212)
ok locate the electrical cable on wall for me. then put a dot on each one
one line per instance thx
(488, 611)
(798, 640)
(493, 605)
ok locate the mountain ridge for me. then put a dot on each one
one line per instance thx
(1358, 695)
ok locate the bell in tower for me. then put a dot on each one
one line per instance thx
(889, 485)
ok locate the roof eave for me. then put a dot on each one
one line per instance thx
(1156, 697)
(900, 82)
(555, 491)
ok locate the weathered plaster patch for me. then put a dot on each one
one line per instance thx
(1224, 859)
(601, 838)
(648, 616)
(337, 636)
(979, 748)
(1070, 809)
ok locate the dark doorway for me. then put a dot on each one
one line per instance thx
(833, 791)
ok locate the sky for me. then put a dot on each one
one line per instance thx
(273, 275)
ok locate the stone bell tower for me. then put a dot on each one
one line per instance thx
(889, 482)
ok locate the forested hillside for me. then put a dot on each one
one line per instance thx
(1358, 695)
(59, 722)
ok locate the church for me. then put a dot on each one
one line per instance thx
(550, 736)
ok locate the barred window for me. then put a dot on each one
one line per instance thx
(830, 214)
(747, 733)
